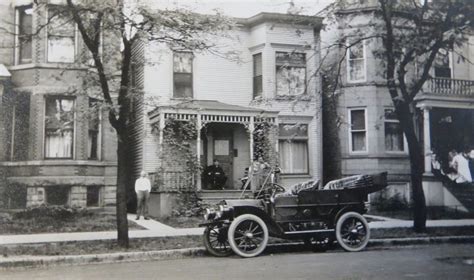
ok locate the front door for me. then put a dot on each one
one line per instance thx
(223, 147)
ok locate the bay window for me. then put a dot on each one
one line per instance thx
(61, 37)
(394, 140)
(24, 34)
(59, 127)
(293, 148)
(356, 70)
(357, 130)
(290, 73)
(257, 75)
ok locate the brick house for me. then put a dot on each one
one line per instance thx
(370, 135)
(54, 148)
(273, 84)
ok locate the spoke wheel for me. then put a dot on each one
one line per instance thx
(248, 235)
(352, 232)
(215, 240)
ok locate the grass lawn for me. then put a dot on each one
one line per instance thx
(81, 221)
(179, 242)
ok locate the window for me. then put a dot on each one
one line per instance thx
(93, 196)
(394, 140)
(24, 34)
(358, 130)
(59, 127)
(442, 64)
(356, 63)
(93, 143)
(293, 148)
(290, 73)
(257, 75)
(183, 75)
(61, 37)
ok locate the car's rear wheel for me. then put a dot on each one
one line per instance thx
(352, 232)
(215, 240)
(248, 235)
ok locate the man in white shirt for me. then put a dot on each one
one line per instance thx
(461, 165)
(142, 189)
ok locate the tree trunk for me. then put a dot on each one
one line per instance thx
(122, 181)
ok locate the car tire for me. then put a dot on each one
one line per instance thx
(352, 232)
(216, 242)
(248, 235)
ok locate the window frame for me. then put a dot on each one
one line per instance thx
(99, 133)
(351, 131)
(385, 120)
(75, 36)
(17, 50)
(301, 139)
(189, 73)
(256, 94)
(305, 66)
(73, 154)
(348, 63)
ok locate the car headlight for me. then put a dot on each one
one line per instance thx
(221, 211)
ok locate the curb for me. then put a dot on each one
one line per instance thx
(45, 261)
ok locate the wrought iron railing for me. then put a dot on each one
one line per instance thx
(447, 86)
(173, 181)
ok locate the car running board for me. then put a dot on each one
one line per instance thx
(309, 231)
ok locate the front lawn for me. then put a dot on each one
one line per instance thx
(56, 219)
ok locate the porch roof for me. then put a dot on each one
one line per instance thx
(186, 109)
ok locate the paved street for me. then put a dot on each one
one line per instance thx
(417, 262)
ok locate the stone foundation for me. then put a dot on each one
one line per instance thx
(78, 196)
(35, 196)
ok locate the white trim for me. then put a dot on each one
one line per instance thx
(364, 52)
(366, 130)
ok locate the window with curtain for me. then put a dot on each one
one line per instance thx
(61, 37)
(290, 73)
(394, 141)
(257, 75)
(183, 74)
(356, 63)
(59, 127)
(24, 36)
(93, 142)
(293, 148)
(358, 130)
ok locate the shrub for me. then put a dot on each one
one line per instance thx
(394, 202)
(62, 213)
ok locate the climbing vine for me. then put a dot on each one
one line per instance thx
(264, 136)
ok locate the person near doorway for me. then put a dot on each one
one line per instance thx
(142, 189)
(214, 176)
(257, 173)
(461, 165)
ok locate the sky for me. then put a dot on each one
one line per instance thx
(245, 8)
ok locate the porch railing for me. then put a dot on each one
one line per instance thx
(173, 181)
(445, 86)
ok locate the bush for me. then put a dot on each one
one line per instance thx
(61, 213)
(393, 203)
(14, 196)
(188, 205)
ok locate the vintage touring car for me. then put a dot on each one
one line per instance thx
(318, 215)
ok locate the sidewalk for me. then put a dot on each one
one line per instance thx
(157, 229)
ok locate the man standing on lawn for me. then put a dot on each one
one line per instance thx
(142, 188)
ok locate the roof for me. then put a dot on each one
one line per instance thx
(313, 21)
(209, 105)
(4, 71)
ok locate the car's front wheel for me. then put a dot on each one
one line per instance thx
(215, 240)
(352, 232)
(248, 235)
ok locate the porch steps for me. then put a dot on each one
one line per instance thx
(215, 196)
(464, 194)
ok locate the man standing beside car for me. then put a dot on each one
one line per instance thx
(142, 189)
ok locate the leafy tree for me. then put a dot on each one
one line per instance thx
(408, 36)
(117, 27)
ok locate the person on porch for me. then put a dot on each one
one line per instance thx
(258, 171)
(214, 176)
(142, 189)
(461, 165)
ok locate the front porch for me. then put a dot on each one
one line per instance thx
(447, 107)
(212, 130)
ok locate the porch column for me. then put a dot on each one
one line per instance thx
(427, 139)
(198, 150)
(251, 129)
(276, 136)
